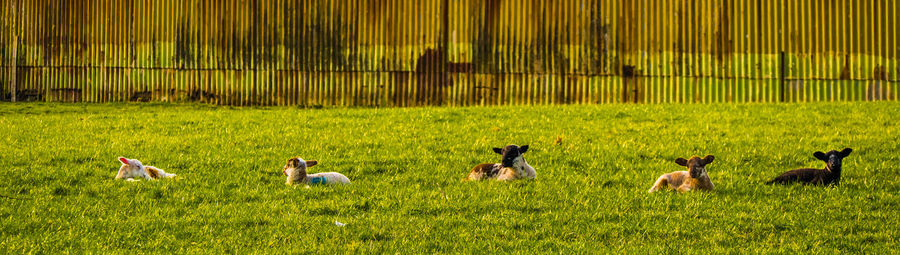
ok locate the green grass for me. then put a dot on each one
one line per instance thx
(58, 162)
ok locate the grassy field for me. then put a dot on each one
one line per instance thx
(594, 163)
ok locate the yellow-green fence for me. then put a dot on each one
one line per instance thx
(448, 52)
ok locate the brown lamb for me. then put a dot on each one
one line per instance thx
(683, 181)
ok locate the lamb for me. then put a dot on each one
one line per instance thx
(513, 166)
(295, 170)
(132, 168)
(683, 181)
(831, 175)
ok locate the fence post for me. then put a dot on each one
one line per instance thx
(781, 77)
(132, 57)
(15, 54)
(444, 51)
(444, 46)
(628, 83)
(12, 70)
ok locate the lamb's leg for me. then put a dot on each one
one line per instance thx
(818, 180)
(660, 183)
(474, 176)
(508, 174)
(121, 173)
(785, 178)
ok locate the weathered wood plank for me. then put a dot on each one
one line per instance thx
(443, 52)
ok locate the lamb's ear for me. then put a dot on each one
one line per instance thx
(498, 151)
(310, 163)
(523, 149)
(124, 160)
(681, 161)
(820, 155)
(846, 152)
(708, 159)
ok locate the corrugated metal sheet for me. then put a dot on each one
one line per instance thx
(449, 52)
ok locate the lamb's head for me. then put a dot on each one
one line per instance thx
(511, 154)
(297, 165)
(833, 158)
(130, 165)
(696, 165)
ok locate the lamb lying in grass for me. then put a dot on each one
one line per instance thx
(828, 176)
(684, 181)
(295, 170)
(513, 166)
(132, 168)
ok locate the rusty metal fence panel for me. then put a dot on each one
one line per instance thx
(448, 52)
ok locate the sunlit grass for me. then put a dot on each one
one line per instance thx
(594, 163)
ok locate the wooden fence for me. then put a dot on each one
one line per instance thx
(449, 52)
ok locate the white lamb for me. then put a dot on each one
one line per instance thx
(295, 170)
(132, 168)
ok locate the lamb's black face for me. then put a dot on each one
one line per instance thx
(511, 153)
(834, 159)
